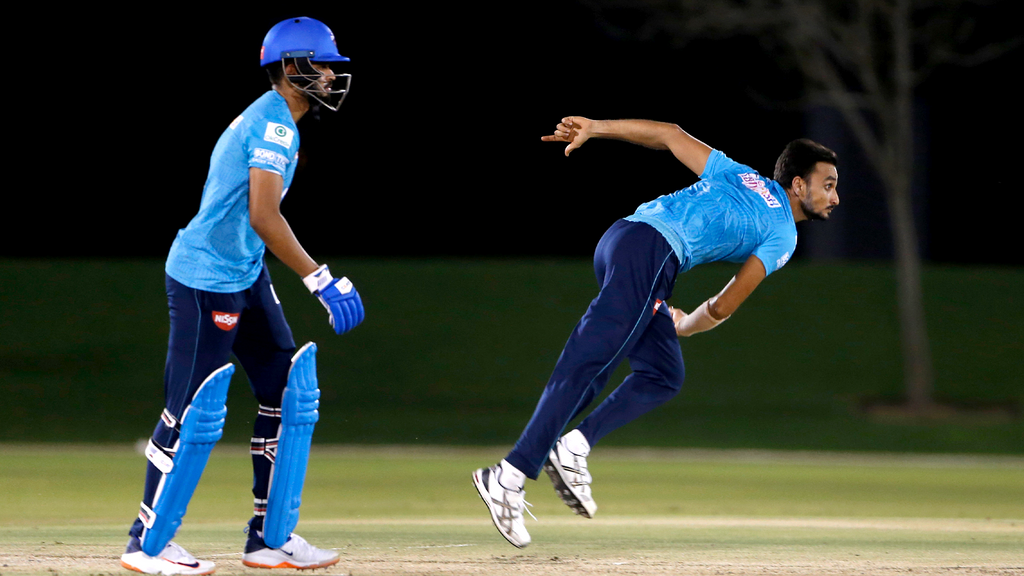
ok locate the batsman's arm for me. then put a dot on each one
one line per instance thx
(717, 309)
(338, 296)
(657, 135)
(265, 217)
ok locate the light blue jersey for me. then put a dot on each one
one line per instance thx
(731, 213)
(219, 251)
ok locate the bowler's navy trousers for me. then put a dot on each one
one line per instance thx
(636, 270)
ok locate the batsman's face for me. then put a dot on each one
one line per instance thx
(820, 193)
(326, 76)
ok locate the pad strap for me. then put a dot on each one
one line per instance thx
(259, 507)
(269, 411)
(264, 447)
(162, 458)
(169, 420)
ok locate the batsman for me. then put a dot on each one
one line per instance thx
(222, 302)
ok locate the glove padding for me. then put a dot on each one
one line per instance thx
(339, 297)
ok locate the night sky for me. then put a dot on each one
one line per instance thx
(437, 152)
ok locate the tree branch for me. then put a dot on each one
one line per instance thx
(943, 55)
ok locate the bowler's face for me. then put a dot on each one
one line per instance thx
(821, 195)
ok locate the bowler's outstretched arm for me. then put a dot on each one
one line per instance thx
(657, 135)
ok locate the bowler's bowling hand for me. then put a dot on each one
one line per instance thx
(572, 129)
(677, 318)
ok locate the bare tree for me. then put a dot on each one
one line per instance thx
(863, 57)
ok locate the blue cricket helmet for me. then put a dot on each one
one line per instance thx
(305, 41)
(300, 38)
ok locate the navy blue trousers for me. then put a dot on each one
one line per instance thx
(636, 270)
(206, 328)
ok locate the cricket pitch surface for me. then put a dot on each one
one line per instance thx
(398, 510)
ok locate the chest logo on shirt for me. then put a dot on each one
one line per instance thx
(757, 185)
(226, 321)
(279, 134)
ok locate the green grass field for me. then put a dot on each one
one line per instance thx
(457, 352)
(403, 510)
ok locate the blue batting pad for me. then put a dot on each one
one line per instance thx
(201, 427)
(298, 417)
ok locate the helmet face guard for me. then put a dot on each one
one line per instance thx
(305, 42)
(328, 90)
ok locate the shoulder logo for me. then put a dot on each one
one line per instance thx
(782, 261)
(753, 181)
(269, 157)
(226, 321)
(279, 134)
(234, 123)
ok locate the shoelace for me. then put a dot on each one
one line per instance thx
(175, 553)
(299, 541)
(300, 544)
(583, 479)
(581, 475)
(523, 507)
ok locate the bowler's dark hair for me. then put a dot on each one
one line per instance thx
(275, 70)
(799, 158)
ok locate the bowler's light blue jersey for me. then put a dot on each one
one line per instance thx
(219, 251)
(731, 213)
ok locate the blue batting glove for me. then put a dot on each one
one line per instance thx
(338, 296)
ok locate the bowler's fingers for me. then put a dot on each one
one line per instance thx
(677, 314)
(563, 133)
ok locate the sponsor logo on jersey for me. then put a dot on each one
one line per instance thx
(226, 321)
(757, 185)
(234, 123)
(782, 261)
(279, 134)
(270, 157)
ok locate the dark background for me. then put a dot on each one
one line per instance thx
(470, 239)
(436, 151)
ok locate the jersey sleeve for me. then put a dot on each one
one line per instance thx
(718, 163)
(776, 250)
(270, 145)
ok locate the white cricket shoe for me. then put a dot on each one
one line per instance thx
(506, 506)
(295, 553)
(568, 472)
(173, 560)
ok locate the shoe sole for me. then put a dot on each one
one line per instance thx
(565, 492)
(481, 490)
(130, 567)
(290, 565)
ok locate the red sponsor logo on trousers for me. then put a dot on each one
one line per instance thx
(225, 320)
